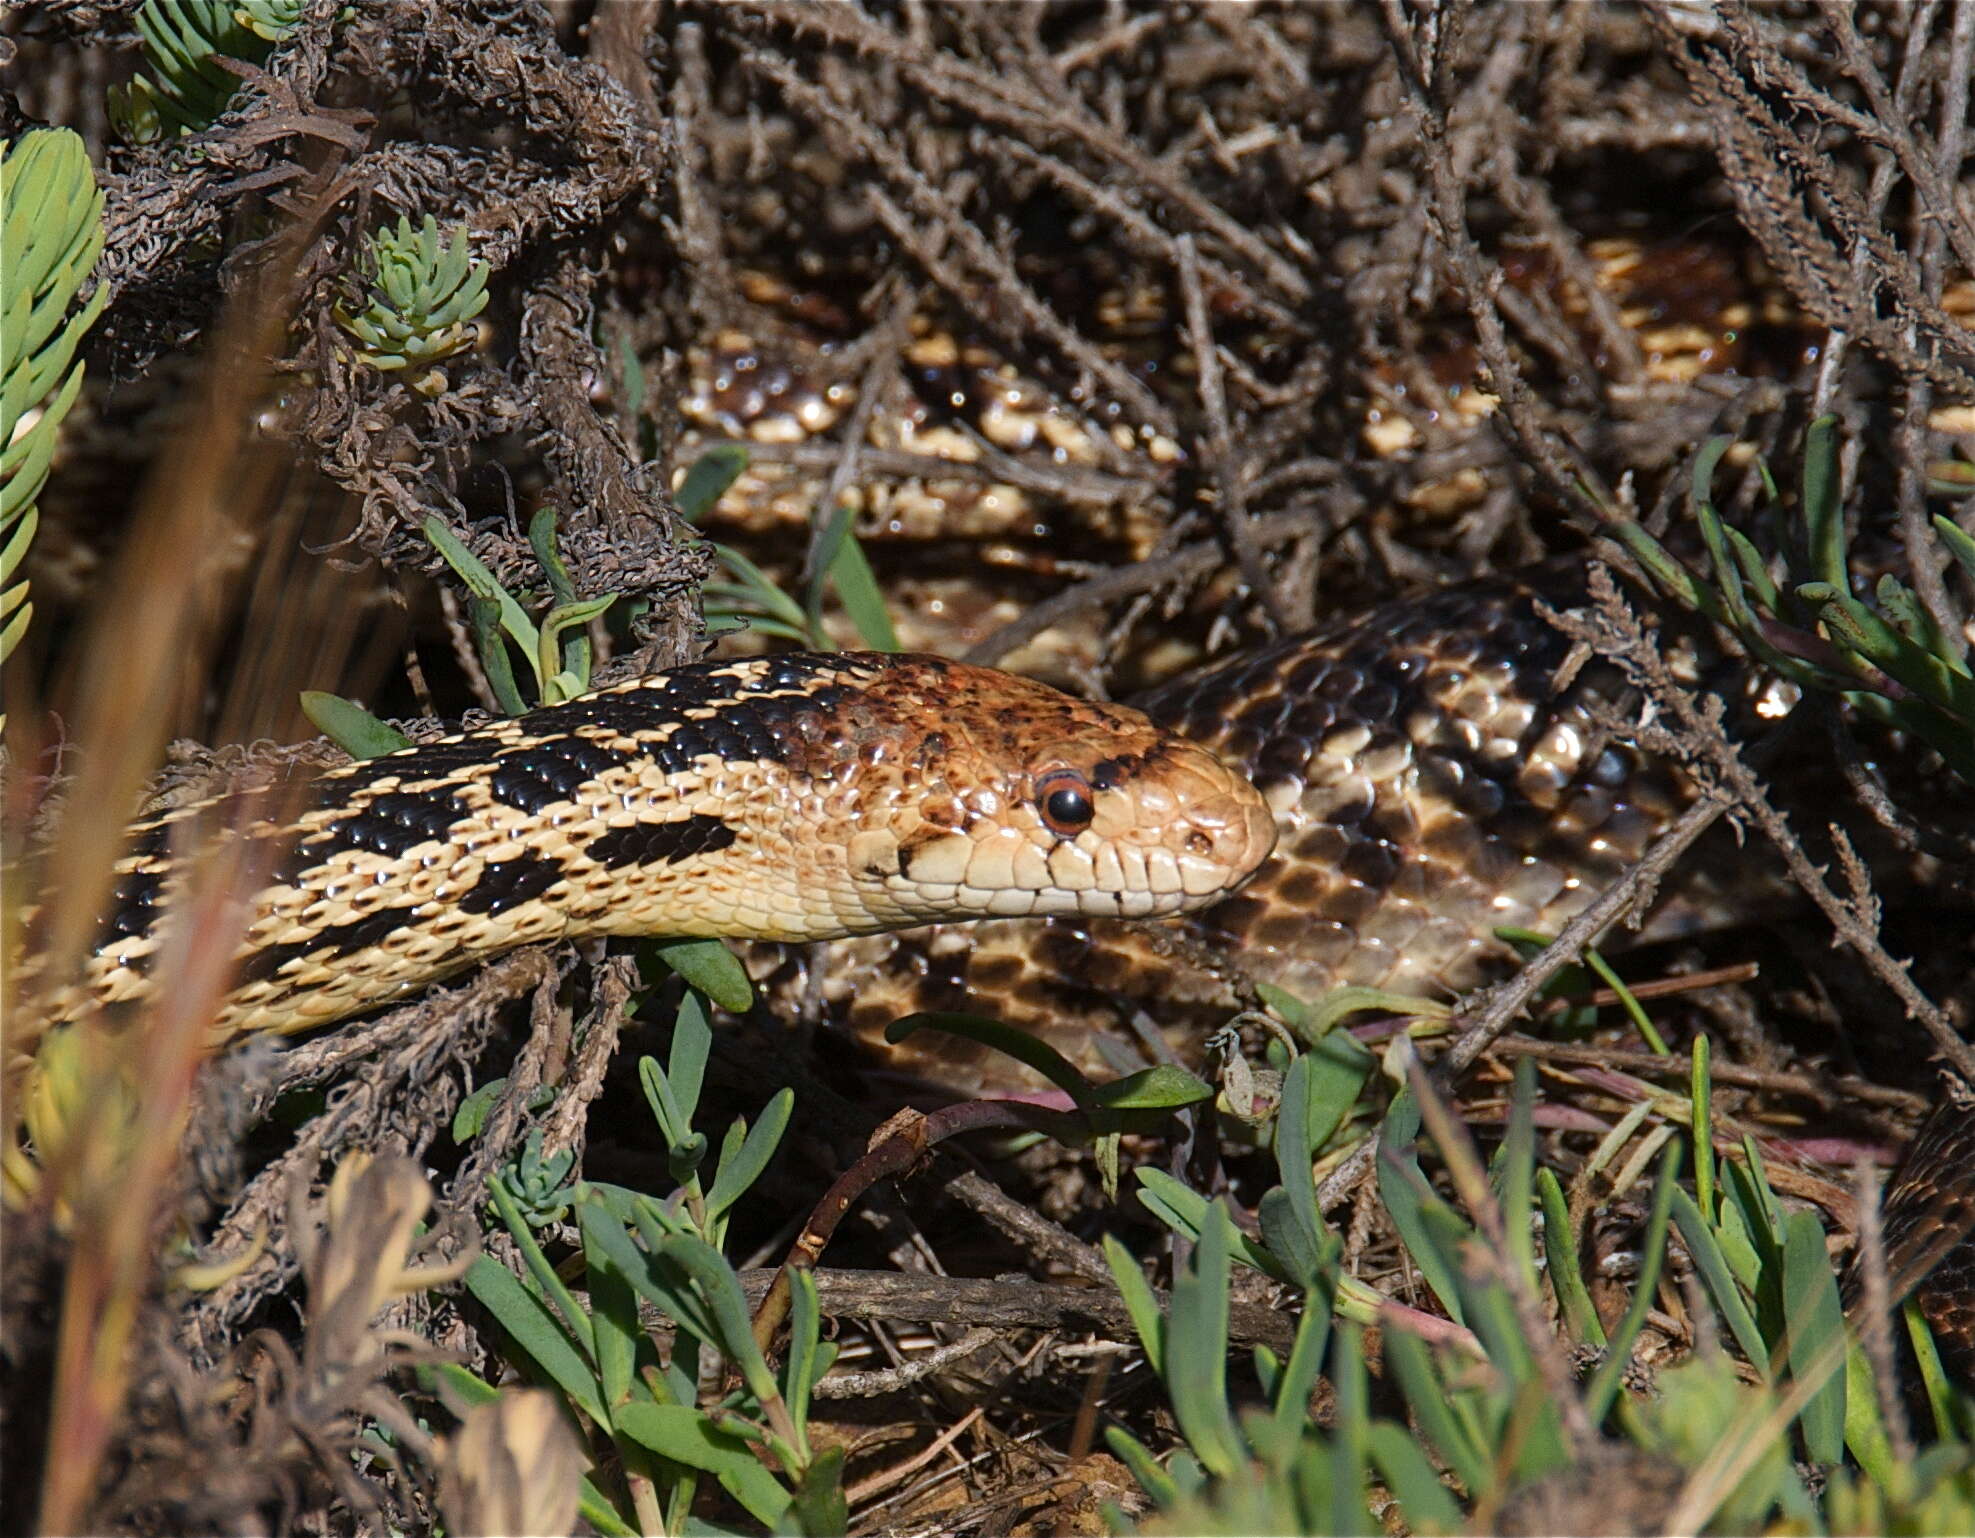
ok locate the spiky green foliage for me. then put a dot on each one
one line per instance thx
(1889, 658)
(51, 232)
(661, 1427)
(1496, 1416)
(422, 294)
(183, 88)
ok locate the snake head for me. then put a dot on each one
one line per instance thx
(1004, 798)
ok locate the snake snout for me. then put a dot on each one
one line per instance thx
(1166, 828)
(1223, 830)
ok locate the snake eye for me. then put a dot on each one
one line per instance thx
(1064, 797)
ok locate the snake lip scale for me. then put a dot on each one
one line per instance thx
(789, 798)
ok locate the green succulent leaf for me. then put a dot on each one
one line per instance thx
(421, 294)
(182, 88)
(51, 233)
(352, 728)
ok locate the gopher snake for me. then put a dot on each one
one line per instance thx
(797, 797)
(1426, 773)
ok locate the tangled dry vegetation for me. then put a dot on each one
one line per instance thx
(1282, 308)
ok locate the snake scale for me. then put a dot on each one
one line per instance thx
(1361, 805)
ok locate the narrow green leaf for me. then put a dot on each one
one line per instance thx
(1865, 1431)
(709, 479)
(1197, 1352)
(538, 1334)
(1426, 1503)
(1350, 1454)
(1427, 1397)
(1664, 570)
(1823, 509)
(689, 1436)
(1726, 571)
(1817, 1334)
(674, 1121)
(1407, 1196)
(1297, 1139)
(1863, 632)
(541, 539)
(757, 587)
(563, 643)
(752, 623)
(1605, 1382)
(613, 1304)
(1701, 488)
(666, 1287)
(820, 1504)
(685, 1065)
(725, 1307)
(1485, 1302)
(1162, 1087)
(1908, 615)
(1303, 1254)
(736, 1176)
(1314, 1021)
(1700, 1093)
(823, 559)
(596, 1509)
(1187, 1212)
(483, 614)
(1934, 1383)
(1517, 1169)
(1290, 1396)
(547, 1282)
(480, 582)
(857, 588)
(1754, 572)
(1137, 1457)
(11, 633)
(1005, 1039)
(1140, 1302)
(1339, 1068)
(1560, 1255)
(808, 1358)
(1960, 545)
(462, 1387)
(1749, 1180)
(471, 1116)
(352, 728)
(17, 544)
(712, 968)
